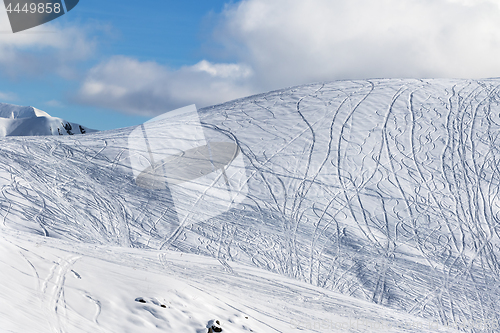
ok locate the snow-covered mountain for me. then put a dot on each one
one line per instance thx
(27, 121)
(368, 206)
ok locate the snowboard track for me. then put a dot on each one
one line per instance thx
(384, 190)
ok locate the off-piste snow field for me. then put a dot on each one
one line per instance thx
(348, 206)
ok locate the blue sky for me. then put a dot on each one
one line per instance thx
(167, 32)
(111, 64)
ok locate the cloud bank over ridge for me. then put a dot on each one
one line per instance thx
(289, 42)
(147, 88)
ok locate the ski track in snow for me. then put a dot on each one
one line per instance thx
(386, 191)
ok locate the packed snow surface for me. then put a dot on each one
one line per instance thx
(369, 206)
(29, 121)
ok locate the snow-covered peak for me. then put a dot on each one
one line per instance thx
(16, 120)
(12, 111)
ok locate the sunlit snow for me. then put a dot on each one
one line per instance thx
(368, 206)
(26, 120)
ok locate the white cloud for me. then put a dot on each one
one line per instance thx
(50, 48)
(279, 43)
(290, 42)
(148, 88)
(223, 70)
(7, 96)
(54, 103)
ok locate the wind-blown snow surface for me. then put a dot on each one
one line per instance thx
(369, 202)
(18, 120)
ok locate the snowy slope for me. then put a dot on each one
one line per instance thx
(365, 200)
(29, 121)
(68, 287)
